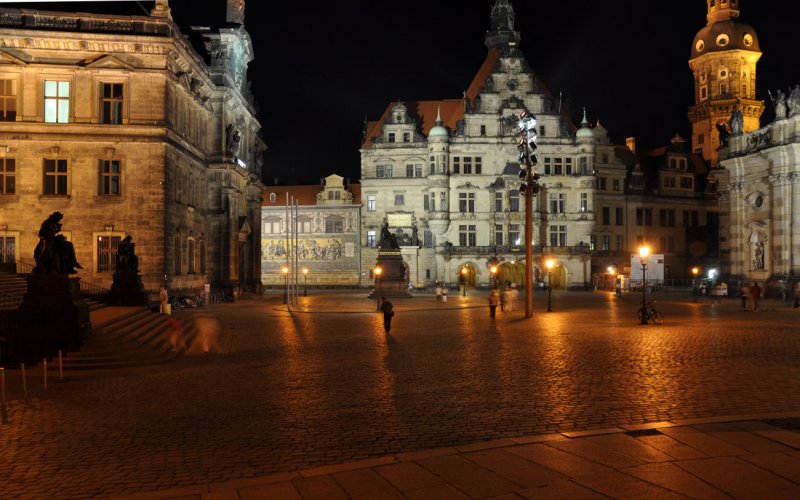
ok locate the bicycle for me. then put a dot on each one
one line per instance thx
(652, 314)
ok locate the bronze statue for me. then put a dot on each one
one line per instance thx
(388, 240)
(127, 260)
(54, 254)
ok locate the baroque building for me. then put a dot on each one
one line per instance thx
(444, 176)
(723, 61)
(319, 239)
(126, 127)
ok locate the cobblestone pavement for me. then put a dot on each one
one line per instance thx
(325, 385)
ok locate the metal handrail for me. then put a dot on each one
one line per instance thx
(7, 301)
(92, 289)
(24, 267)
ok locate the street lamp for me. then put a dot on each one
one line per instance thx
(644, 252)
(305, 282)
(695, 272)
(549, 265)
(378, 272)
(464, 280)
(285, 271)
(493, 271)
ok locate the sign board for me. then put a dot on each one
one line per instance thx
(399, 220)
(655, 268)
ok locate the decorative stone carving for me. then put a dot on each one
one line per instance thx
(737, 121)
(793, 102)
(779, 103)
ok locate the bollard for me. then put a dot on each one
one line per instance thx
(3, 407)
(44, 373)
(24, 381)
(60, 367)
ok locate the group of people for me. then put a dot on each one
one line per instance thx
(441, 293)
(751, 294)
(507, 300)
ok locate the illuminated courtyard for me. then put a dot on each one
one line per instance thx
(325, 385)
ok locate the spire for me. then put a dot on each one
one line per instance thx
(438, 116)
(722, 10)
(501, 32)
(161, 9)
(235, 12)
(584, 122)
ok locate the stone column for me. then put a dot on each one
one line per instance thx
(794, 202)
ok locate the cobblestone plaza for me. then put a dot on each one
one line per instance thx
(324, 385)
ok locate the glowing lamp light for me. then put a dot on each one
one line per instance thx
(464, 271)
(611, 270)
(378, 271)
(549, 264)
(285, 270)
(644, 252)
(695, 271)
(305, 271)
(712, 273)
(493, 270)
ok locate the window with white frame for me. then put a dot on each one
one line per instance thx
(371, 238)
(466, 202)
(443, 202)
(558, 236)
(513, 201)
(372, 202)
(584, 202)
(514, 235)
(498, 201)
(498, 234)
(304, 224)
(56, 101)
(8, 176)
(427, 238)
(272, 225)
(111, 100)
(8, 100)
(558, 203)
(107, 253)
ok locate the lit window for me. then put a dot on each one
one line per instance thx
(107, 253)
(371, 238)
(56, 101)
(371, 203)
(514, 235)
(8, 176)
(8, 100)
(8, 249)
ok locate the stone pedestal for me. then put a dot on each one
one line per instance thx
(51, 318)
(393, 280)
(127, 290)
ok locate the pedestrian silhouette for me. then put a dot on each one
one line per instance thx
(388, 312)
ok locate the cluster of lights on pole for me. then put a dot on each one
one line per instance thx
(527, 154)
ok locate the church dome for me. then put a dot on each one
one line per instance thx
(725, 36)
(585, 132)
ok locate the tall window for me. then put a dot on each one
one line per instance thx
(406, 137)
(558, 236)
(55, 177)
(418, 170)
(426, 202)
(107, 253)
(466, 235)
(304, 224)
(606, 216)
(409, 170)
(615, 184)
(384, 171)
(8, 176)
(620, 242)
(56, 101)
(498, 234)
(111, 103)
(202, 256)
(606, 243)
(110, 177)
(456, 164)
(8, 249)
(427, 238)
(190, 255)
(584, 202)
(443, 202)
(466, 202)
(467, 165)
(558, 203)
(371, 203)
(513, 235)
(8, 100)
(620, 216)
(498, 201)
(178, 257)
(513, 201)
(371, 235)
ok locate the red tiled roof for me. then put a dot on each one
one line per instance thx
(452, 110)
(305, 195)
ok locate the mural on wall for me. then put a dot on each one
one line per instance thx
(313, 249)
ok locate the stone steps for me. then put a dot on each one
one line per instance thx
(137, 338)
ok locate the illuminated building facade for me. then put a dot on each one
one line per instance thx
(125, 127)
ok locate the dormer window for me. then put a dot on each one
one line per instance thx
(273, 197)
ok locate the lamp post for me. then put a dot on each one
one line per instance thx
(644, 252)
(285, 271)
(493, 272)
(549, 265)
(695, 272)
(464, 280)
(378, 272)
(305, 282)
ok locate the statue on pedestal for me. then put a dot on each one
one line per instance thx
(779, 103)
(737, 121)
(127, 261)
(54, 254)
(388, 240)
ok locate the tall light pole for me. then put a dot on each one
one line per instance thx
(493, 271)
(464, 280)
(644, 252)
(305, 282)
(377, 273)
(530, 186)
(549, 264)
(285, 271)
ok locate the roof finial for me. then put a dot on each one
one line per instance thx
(438, 115)
(584, 122)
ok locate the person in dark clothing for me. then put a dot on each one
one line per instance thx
(388, 312)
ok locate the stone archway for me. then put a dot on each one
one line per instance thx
(510, 272)
(470, 277)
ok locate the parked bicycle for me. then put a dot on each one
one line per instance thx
(652, 314)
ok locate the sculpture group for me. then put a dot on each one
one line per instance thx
(54, 254)
(786, 106)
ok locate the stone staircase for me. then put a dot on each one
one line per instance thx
(12, 288)
(132, 336)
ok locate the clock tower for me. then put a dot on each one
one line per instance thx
(723, 61)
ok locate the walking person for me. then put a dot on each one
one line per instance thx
(494, 300)
(745, 295)
(388, 312)
(438, 291)
(444, 294)
(163, 297)
(755, 294)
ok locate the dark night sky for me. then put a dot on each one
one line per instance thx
(319, 70)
